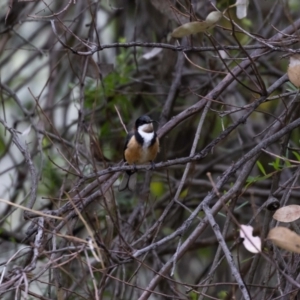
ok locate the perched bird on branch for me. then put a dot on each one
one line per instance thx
(141, 146)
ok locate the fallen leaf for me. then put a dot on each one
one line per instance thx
(285, 239)
(288, 213)
(251, 243)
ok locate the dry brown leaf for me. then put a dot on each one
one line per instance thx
(288, 213)
(285, 239)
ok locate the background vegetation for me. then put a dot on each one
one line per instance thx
(73, 75)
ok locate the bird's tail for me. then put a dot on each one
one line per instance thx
(128, 181)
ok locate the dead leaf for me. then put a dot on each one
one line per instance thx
(196, 27)
(154, 52)
(294, 70)
(214, 17)
(241, 8)
(251, 243)
(189, 28)
(285, 239)
(287, 214)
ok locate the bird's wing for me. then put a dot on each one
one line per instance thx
(129, 136)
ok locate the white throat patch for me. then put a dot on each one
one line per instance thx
(147, 136)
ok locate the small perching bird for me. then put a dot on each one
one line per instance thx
(141, 146)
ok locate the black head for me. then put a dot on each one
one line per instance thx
(143, 120)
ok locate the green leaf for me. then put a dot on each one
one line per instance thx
(276, 164)
(261, 167)
(157, 188)
(297, 155)
(222, 294)
(242, 205)
(288, 163)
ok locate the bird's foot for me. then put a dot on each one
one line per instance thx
(152, 165)
(134, 168)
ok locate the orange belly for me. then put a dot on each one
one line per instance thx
(136, 154)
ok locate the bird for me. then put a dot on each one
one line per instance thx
(294, 70)
(141, 146)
